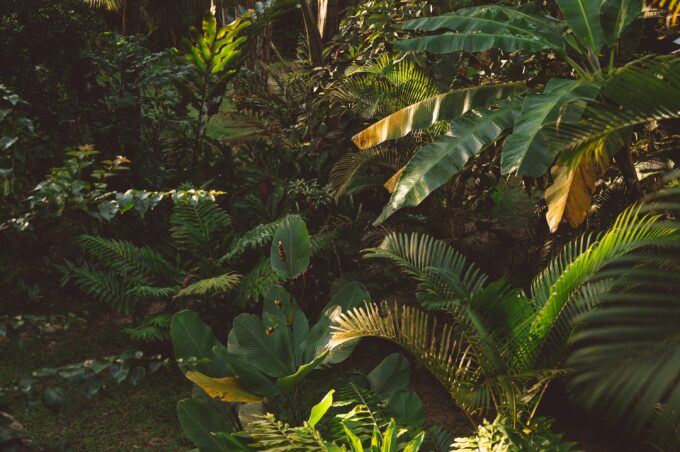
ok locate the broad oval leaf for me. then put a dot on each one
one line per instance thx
(390, 376)
(444, 107)
(200, 420)
(268, 349)
(436, 163)
(193, 339)
(407, 407)
(291, 247)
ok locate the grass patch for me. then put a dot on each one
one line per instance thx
(120, 417)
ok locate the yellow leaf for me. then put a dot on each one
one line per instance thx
(571, 193)
(391, 183)
(226, 389)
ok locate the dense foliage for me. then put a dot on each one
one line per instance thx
(249, 191)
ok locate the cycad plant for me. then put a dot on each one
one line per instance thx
(501, 347)
(573, 125)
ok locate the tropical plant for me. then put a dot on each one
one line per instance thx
(268, 433)
(214, 57)
(544, 124)
(502, 348)
(264, 356)
(623, 358)
(497, 437)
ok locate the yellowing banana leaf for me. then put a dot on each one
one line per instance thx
(571, 194)
(436, 163)
(226, 389)
(423, 114)
(391, 183)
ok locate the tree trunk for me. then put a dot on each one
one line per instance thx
(313, 35)
(131, 17)
(328, 18)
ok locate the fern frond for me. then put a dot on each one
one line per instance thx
(152, 329)
(322, 241)
(261, 235)
(128, 260)
(257, 282)
(643, 91)
(363, 418)
(196, 228)
(106, 287)
(211, 286)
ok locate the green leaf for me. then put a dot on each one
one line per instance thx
(583, 16)
(320, 409)
(353, 440)
(291, 247)
(416, 443)
(436, 163)
(191, 338)
(528, 149)
(389, 441)
(200, 420)
(54, 398)
(390, 376)
(304, 370)
(407, 407)
(267, 349)
(474, 42)
(444, 107)
(617, 16)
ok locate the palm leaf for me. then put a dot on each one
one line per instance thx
(644, 90)
(444, 352)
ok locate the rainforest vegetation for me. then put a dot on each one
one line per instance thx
(340, 225)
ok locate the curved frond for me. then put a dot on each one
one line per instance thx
(196, 227)
(444, 352)
(425, 258)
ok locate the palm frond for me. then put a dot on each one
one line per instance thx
(426, 258)
(445, 353)
(258, 281)
(152, 329)
(640, 92)
(273, 435)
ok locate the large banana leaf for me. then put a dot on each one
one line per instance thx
(193, 340)
(226, 389)
(571, 194)
(528, 149)
(444, 107)
(617, 16)
(474, 41)
(583, 16)
(434, 164)
(480, 28)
